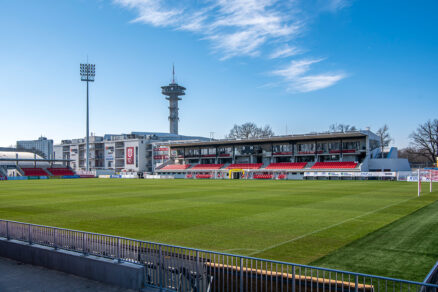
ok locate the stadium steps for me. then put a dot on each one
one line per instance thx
(47, 170)
(264, 165)
(20, 171)
(226, 165)
(309, 165)
(164, 164)
(3, 172)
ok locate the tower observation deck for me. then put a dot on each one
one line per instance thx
(173, 91)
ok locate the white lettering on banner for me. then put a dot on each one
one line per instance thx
(350, 174)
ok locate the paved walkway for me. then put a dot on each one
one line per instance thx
(15, 276)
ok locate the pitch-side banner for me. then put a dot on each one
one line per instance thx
(129, 155)
(349, 174)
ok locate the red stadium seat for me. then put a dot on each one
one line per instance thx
(208, 166)
(349, 151)
(262, 176)
(28, 171)
(245, 166)
(334, 165)
(203, 176)
(176, 167)
(287, 165)
(61, 171)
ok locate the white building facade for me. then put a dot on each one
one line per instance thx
(42, 146)
(135, 152)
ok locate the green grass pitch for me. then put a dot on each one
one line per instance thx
(363, 226)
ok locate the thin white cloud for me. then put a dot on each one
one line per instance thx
(295, 69)
(152, 12)
(333, 5)
(235, 27)
(242, 28)
(296, 76)
(317, 82)
(284, 52)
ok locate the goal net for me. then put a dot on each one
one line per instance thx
(426, 175)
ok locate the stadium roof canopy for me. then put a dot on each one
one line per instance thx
(8, 156)
(276, 139)
(155, 136)
(18, 154)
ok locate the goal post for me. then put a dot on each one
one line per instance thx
(231, 171)
(427, 175)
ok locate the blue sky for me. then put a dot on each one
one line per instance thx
(304, 63)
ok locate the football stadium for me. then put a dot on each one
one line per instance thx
(331, 210)
(124, 190)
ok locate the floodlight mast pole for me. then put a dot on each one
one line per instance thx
(88, 129)
(87, 74)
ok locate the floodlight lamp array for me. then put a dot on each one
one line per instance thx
(88, 72)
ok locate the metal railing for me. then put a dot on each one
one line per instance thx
(432, 277)
(176, 268)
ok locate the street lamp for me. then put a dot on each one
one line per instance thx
(88, 71)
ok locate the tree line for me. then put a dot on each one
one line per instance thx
(424, 144)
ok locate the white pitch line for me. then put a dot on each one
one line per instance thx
(242, 249)
(328, 227)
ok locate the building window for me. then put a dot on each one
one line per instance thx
(136, 156)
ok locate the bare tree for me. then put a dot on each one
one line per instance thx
(384, 137)
(414, 155)
(234, 133)
(266, 131)
(425, 140)
(249, 130)
(342, 128)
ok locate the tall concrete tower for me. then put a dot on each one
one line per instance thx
(173, 91)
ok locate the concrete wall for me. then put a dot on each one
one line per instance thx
(124, 275)
(399, 164)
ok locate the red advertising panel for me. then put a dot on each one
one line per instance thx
(129, 155)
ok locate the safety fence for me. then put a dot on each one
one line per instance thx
(176, 268)
(432, 277)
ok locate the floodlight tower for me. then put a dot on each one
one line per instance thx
(88, 72)
(173, 91)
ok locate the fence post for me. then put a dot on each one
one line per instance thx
(118, 250)
(30, 234)
(160, 266)
(83, 243)
(197, 271)
(54, 238)
(7, 230)
(241, 274)
(293, 278)
(356, 283)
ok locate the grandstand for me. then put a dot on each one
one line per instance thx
(20, 165)
(282, 157)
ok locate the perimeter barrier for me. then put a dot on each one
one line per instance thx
(176, 268)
